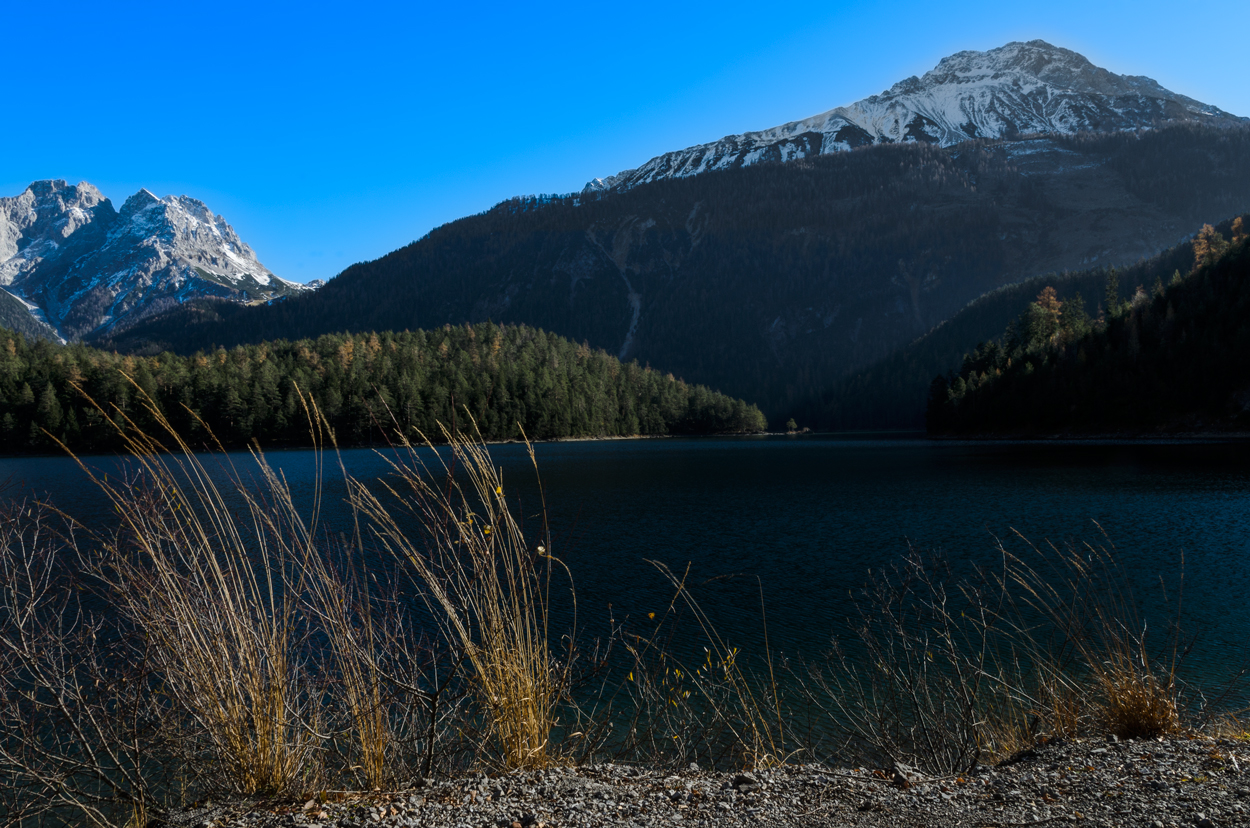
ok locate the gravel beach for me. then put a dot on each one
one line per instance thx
(1150, 783)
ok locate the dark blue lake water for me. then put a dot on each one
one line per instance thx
(809, 516)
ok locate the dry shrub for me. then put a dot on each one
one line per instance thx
(666, 709)
(918, 681)
(484, 583)
(1048, 646)
(212, 578)
(748, 707)
(83, 740)
(1095, 646)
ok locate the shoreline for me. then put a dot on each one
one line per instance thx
(1183, 780)
(1138, 438)
(1100, 437)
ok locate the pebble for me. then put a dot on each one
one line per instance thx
(1184, 782)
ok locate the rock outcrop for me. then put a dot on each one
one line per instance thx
(86, 268)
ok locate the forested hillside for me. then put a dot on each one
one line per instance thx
(893, 393)
(15, 317)
(370, 388)
(1174, 357)
(771, 282)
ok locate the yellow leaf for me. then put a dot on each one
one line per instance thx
(651, 615)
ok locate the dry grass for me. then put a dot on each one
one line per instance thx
(484, 582)
(1133, 701)
(1230, 726)
(353, 638)
(1096, 668)
(261, 651)
(1049, 644)
(213, 579)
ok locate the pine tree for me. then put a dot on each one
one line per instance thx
(1111, 300)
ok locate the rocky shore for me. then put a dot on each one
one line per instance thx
(1152, 783)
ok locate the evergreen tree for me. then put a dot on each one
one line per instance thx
(1111, 298)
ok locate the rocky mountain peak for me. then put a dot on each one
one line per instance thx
(1038, 62)
(1019, 88)
(86, 267)
(138, 202)
(38, 221)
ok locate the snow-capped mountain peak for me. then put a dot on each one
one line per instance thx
(1031, 87)
(89, 268)
(36, 223)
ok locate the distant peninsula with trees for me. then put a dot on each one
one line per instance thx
(371, 388)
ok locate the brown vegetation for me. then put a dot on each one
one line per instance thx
(220, 640)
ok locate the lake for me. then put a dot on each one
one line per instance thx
(803, 519)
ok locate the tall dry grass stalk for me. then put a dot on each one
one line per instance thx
(1050, 643)
(1095, 663)
(486, 585)
(213, 575)
(81, 736)
(355, 639)
(748, 707)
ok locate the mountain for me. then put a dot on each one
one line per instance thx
(771, 282)
(1014, 90)
(19, 316)
(88, 268)
(892, 393)
(1173, 358)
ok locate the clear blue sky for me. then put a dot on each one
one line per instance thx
(330, 134)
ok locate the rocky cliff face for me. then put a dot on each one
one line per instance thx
(1016, 89)
(87, 268)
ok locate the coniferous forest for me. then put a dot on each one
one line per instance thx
(370, 388)
(892, 393)
(771, 282)
(1172, 358)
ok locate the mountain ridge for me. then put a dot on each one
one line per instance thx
(1170, 359)
(1016, 89)
(770, 282)
(90, 268)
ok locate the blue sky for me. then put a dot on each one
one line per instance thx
(331, 134)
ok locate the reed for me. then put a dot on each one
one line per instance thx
(1097, 666)
(212, 577)
(485, 583)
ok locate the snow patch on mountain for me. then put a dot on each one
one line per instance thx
(1016, 89)
(89, 268)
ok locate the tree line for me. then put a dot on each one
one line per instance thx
(774, 281)
(371, 388)
(1170, 357)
